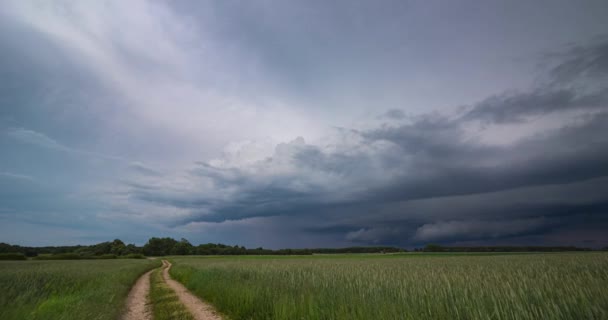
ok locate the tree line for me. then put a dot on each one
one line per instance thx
(169, 246)
(439, 248)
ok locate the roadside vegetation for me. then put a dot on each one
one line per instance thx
(12, 256)
(158, 247)
(430, 286)
(83, 289)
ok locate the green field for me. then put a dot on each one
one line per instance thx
(70, 289)
(349, 286)
(407, 286)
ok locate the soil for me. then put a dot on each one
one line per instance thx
(198, 308)
(138, 307)
(137, 301)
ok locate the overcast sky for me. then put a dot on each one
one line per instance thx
(304, 123)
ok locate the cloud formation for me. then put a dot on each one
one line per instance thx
(427, 157)
(304, 124)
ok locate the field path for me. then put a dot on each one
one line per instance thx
(199, 309)
(137, 306)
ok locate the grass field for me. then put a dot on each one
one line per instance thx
(82, 289)
(408, 286)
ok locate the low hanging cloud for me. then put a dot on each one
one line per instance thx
(118, 112)
(352, 179)
(466, 230)
(518, 107)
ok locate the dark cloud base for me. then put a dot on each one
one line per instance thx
(424, 179)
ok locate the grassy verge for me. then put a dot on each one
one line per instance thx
(165, 303)
(81, 289)
(530, 286)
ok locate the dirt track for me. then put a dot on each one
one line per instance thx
(138, 307)
(137, 301)
(199, 309)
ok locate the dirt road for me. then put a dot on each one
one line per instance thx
(137, 301)
(199, 309)
(138, 307)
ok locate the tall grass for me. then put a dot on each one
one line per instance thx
(77, 289)
(531, 286)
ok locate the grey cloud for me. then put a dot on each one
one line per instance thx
(375, 235)
(421, 165)
(517, 107)
(144, 169)
(78, 93)
(316, 177)
(588, 61)
(396, 222)
(477, 229)
(579, 81)
(441, 162)
(395, 114)
(373, 172)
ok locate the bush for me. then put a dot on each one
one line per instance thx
(12, 256)
(73, 256)
(133, 256)
(59, 256)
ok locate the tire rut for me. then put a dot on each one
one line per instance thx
(137, 301)
(198, 308)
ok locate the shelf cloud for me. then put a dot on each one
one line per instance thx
(246, 124)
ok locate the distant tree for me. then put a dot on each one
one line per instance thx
(132, 249)
(183, 247)
(5, 248)
(431, 247)
(99, 249)
(117, 247)
(159, 246)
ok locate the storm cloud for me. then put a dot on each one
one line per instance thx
(363, 174)
(304, 124)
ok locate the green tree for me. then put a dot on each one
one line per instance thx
(117, 247)
(159, 246)
(183, 247)
(431, 247)
(131, 249)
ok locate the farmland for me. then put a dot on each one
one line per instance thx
(67, 289)
(339, 286)
(407, 286)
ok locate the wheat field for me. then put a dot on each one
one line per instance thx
(407, 286)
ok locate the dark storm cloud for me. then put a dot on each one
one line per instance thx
(517, 107)
(105, 106)
(430, 219)
(429, 171)
(577, 82)
(568, 154)
(370, 185)
(581, 62)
